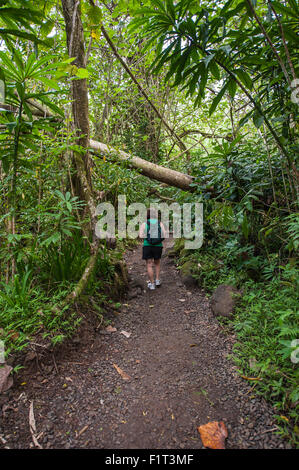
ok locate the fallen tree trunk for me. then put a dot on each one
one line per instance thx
(149, 169)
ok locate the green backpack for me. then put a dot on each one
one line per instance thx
(158, 238)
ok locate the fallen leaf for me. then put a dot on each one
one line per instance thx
(13, 335)
(285, 418)
(111, 329)
(33, 426)
(31, 418)
(82, 431)
(125, 333)
(250, 378)
(213, 434)
(122, 373)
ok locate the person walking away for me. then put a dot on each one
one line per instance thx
(153, 232)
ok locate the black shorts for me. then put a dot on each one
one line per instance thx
(152, 252)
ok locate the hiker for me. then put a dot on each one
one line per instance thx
(153, 232)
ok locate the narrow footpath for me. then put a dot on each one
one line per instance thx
(149, 384)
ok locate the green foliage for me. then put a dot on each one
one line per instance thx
(202, 42)
(119, 179)
(26, 311)
(63, 261)
(292, 229)
(265, 320)
(60, 219)
(19, 26)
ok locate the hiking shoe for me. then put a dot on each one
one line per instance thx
(158, 282)
(151, 286)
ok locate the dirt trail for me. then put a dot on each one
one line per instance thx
(180, 377)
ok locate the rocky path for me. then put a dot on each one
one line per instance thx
(150, 390)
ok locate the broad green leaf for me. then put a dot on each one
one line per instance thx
(217, 99)
(27, 111)
(21, 34)
(47, 27)
(94, 15)
(244, 78)
(171, 10)
(14, 13)
(82, 73)
(10, 69)
(258, 120)
(214, 69)
(279, 7)
(162, 58)
(232, 87)
(245, 118)
(208, 59)
(50, 83)
(294, 5)
(11, 126)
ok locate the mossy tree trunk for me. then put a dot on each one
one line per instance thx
(81, 161)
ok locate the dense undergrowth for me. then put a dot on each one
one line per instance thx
(32, 304)
(265, 321)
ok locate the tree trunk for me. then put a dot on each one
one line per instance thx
(76, 48)
(82, 182)
(153, 171)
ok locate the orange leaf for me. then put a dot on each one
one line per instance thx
(285, 418)
(13, 335)
(121, 372)
(250, 378)
(213, 434)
